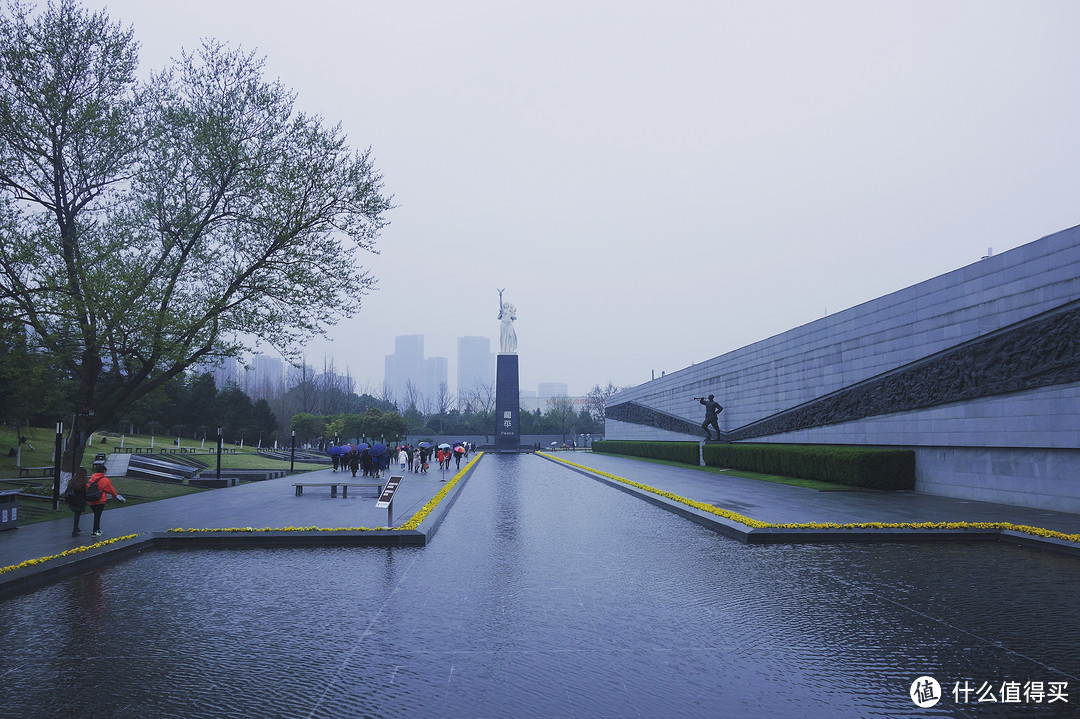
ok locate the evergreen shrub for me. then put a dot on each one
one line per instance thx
(867, 467)
(685, 452)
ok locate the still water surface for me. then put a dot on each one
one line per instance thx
(546, 594)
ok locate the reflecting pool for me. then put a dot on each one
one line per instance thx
(547, 594)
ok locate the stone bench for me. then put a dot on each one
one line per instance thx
(334, 485)
(213, 482)
(35, 471)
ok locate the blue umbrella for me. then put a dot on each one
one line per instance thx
(425, 445)
(334, 451)
(377, 450)
(362, 446)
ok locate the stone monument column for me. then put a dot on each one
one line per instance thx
(507, 389)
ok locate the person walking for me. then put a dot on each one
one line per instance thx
(354, 461)
(75, 496)
(98, 490)
(402, 457)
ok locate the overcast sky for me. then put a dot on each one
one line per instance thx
(658, 183)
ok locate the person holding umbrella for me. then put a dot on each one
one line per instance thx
(366, 461)
(459, 452)
(378, 459)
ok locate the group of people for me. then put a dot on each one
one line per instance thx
(412, 459)
(356, 460)
(91, 492)
(418, 459)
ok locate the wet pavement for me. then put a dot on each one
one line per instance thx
(268, 504)
(782, 504)
(547, 594)
(273, 504)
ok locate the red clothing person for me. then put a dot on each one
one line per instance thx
(97, 506)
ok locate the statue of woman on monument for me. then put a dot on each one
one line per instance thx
(507, 334)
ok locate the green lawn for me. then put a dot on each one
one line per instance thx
(42, 440)
(136, 491)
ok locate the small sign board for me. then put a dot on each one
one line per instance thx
(387, 495)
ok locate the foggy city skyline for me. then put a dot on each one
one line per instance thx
(659, 184)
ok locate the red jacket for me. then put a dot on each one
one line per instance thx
(106, 488)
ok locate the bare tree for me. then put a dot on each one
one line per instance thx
(413, 397)
(444, 400)
(386, 394)
(481, 396)
(302, 387)
(596, 400)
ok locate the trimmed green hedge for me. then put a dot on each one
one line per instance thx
(685, 452)
(854, 466)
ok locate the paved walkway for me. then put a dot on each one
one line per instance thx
(270, 503)
(784, 504)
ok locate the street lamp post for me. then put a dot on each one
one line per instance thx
(219, 452)
(58, 457)
(292, 461)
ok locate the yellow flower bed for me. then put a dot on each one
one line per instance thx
(434, 501)
(413, 522)
(741, 519)
(68, 553)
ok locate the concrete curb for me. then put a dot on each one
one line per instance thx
(28, 579)
(778, 535)
(430, 525)
(378, 537)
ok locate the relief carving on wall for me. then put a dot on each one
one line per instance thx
(1038, 352)
(635, 413)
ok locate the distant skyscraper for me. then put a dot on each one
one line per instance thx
(475, 365)
(265, 378)
(224, 370)
(404, 366)
(551, 389)
(435, 377)
(407, 366)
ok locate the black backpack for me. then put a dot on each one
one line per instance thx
(93, 492)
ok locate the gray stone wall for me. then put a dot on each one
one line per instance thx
(977, 369)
